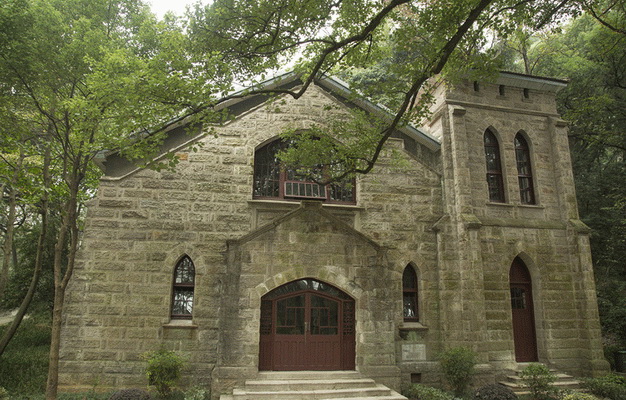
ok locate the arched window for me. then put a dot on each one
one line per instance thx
(183, 289)
(272, 181)
(524, 171)
(495, 182)
(409, 294)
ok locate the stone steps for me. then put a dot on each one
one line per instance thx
(312, 385)
(563, 381)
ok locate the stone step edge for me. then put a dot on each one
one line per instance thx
(390, 397)
(329, 392)
(558, 376)
(267, 382)
(514, 385)
(307, 375)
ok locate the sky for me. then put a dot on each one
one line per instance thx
(160, 7)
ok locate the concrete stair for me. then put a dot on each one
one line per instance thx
(563, 381)
(312, 385)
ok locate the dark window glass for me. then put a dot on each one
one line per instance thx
(324, 316)
(273, 181)
(524, 171)
(409, 294)
(183, 289)
(495, 183)
(518, 298)
(290, 316)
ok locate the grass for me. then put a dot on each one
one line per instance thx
(24, 364)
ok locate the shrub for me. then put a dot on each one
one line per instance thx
(197, 393)
(131, 394)
(422, 392)
(4, 395)
(539, 380)
(163, 370)
(611, 386)
(579, 396)
(494, 392)
(458, 366)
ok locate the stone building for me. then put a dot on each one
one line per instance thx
(472, 240)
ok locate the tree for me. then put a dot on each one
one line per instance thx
(447, 38)
(79, 76)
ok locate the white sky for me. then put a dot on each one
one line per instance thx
(160, 7)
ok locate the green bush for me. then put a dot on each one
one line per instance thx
(131, 394)
(4, 395)
(539, 380)
(458, 367)
(611, 386)
(494, 392)
(197, 393)
(24, 363)
(579, 396)
(163, 370)
(422, 392)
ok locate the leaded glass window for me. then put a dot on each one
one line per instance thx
(495, 182)
(409, 294)
(183, 289)
(524, 170)
(272, 180)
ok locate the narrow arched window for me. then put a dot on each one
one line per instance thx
(274, 181)
(409, 294)
(495, 183)
(183, 289)
(524, 170)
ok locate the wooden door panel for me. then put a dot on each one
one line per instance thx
(307, 330)
(524, 335)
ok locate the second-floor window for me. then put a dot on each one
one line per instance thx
(272, 180)
(495, 183)
(524, 170)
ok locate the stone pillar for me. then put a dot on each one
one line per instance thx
(460, 261)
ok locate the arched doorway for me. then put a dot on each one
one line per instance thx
(307, 325)
(524, 334)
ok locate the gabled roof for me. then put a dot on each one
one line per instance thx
(116, 167)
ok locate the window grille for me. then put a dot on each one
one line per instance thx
(274, 181)
(495, 183)
(524, 170)
(183, 289)
(409, 294)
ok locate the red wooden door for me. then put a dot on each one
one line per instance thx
(524, 335)
(306, 329)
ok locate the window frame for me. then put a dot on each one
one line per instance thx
(525, 178)
(495, 177)
(267, 172)
(187, 286)
(412, 292)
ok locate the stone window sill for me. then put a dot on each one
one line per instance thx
(493, 203)
(180, 324)
(535, 206)
(413, 326)
(296, 203)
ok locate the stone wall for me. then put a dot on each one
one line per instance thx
(140, 225)
(436, 219)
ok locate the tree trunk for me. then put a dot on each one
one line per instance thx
(8, 239)
(68, 226)
(8, 335)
